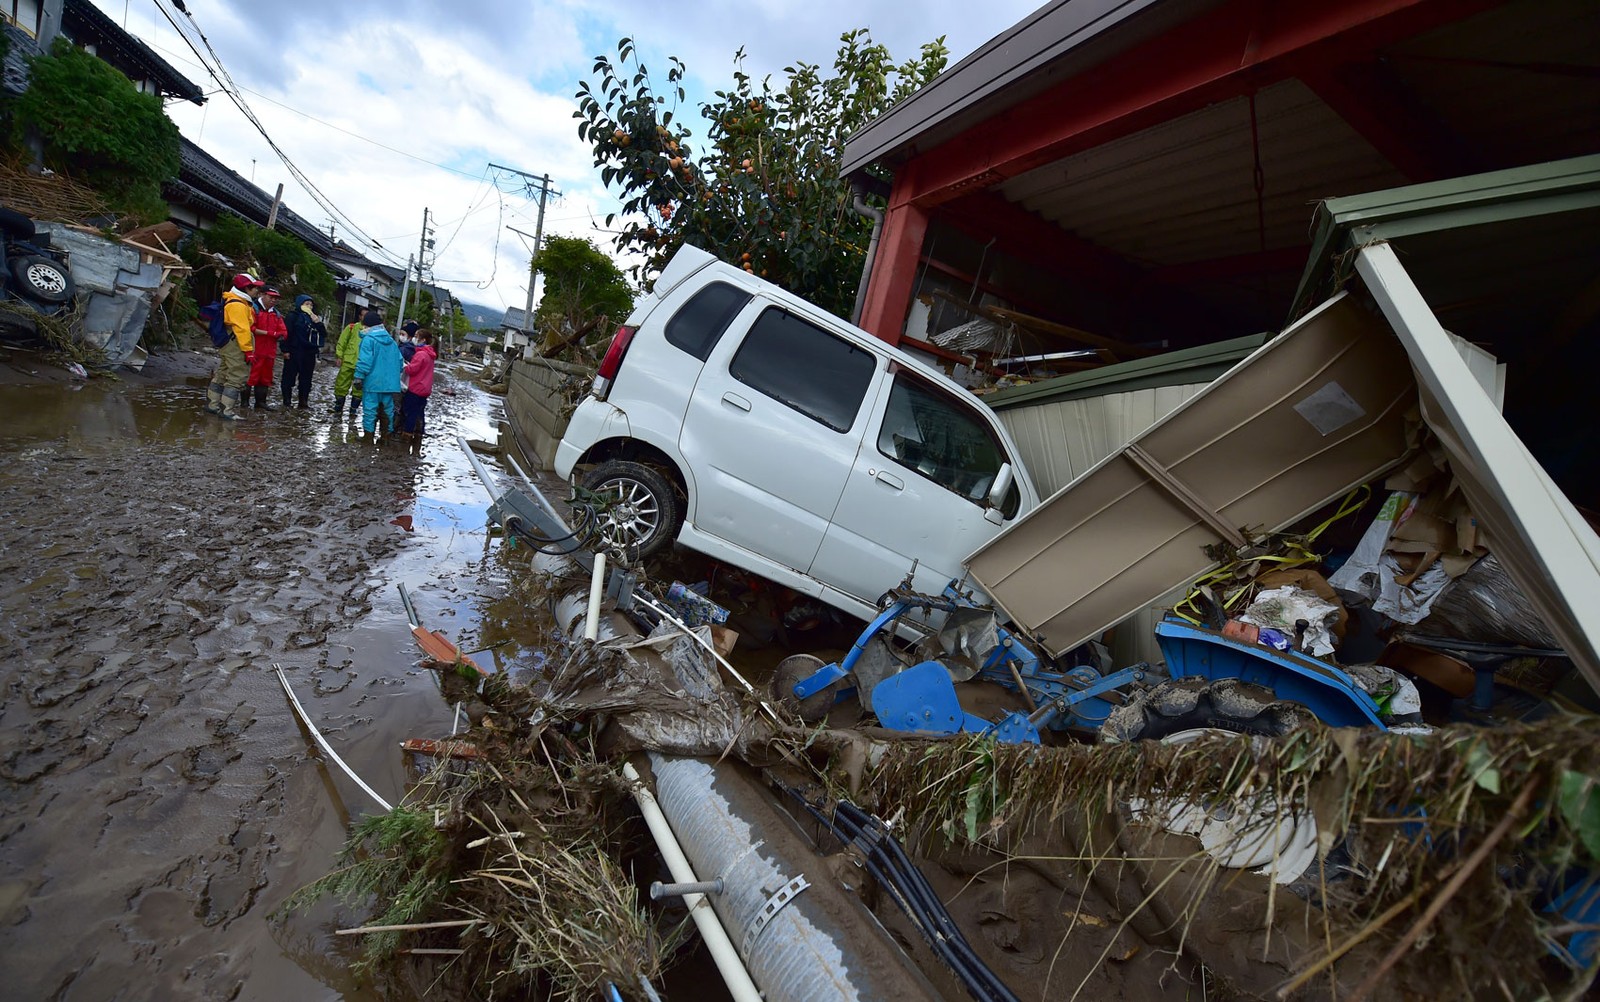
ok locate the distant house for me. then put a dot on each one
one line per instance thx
(516, 331)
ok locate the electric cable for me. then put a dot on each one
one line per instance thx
(219, 73)
(921, 906)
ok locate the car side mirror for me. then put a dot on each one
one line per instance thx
(1001, 486)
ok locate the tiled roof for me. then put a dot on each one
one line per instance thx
(209, 176)
(86, 24)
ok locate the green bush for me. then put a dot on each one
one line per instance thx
(97, 127)
(275, 257)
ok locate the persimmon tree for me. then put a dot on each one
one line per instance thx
(759, 185)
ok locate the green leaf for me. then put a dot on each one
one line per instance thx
(1481, 762)
(1580, 805)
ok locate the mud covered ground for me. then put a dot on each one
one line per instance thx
(159, 801)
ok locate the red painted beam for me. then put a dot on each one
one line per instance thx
(883, 313)
(1231, 50)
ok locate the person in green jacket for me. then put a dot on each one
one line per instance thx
(348, 351)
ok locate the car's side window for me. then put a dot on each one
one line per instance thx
(936, 437)
(700, 323)
(802, 366)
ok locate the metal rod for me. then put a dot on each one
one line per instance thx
(322, 742)
(658, 890)
(538, 495)
(478, 468)
(411, 610)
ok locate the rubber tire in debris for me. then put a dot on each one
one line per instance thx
(42, 279)
(1192, 703)
(627, 476)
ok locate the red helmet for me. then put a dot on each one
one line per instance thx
(246, 281)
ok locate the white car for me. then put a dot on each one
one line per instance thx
(753, 427)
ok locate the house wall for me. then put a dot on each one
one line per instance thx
(1060, 440)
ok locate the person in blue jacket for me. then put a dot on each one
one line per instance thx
(378, 369)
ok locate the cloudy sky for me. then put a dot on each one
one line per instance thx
(389, 106)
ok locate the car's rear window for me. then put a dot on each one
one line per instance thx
(700, 323)
(799, 364)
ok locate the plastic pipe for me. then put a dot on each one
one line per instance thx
(597, 587)
(705, 919)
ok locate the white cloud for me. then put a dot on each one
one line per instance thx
(473, 82)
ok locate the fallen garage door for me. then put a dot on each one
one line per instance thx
(1319, 409)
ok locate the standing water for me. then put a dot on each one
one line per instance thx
(160, 799)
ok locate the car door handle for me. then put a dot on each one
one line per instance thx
(888, 479)
(733, 399)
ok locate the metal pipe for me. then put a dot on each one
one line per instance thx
(597, 587)
(538, 495)
(876, 215)
(658, 890)
(322, 742)
(478, 467)
(718, 944)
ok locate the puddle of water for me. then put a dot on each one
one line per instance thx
(206, 552)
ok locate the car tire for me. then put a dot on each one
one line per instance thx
(42, 279)
(646, 513)
(1197, 703)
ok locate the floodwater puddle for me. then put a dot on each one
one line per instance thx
(159, 563)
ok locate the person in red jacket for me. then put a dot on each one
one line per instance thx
(270, 329)
(419, 383)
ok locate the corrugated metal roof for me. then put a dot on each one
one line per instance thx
(1201, 364)
(1184, 190)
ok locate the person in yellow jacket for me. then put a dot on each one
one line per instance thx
(347, 351)
(233, 367)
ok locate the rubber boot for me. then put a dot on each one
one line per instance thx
(338, 406)
(305, 398)
(214, 398)
(230, 405)
(262, 403)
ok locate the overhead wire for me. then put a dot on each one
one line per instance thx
(219, 73)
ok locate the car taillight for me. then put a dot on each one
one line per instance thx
(613, 360)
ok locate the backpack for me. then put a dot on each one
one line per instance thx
(212, 315)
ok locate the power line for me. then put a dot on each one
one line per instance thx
(220, 74)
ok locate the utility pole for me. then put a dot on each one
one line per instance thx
(422, 248)
(272, 213)
(541, 185)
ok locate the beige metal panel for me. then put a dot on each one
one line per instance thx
(1532, 529)
(1060, 440)
(1247, 452)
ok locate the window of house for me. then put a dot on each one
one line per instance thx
(22, 13)
(939, 438)
(802, 366)
(700, 323)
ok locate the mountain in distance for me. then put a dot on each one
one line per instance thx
(483, 317)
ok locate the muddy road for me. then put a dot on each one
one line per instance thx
(159, 798)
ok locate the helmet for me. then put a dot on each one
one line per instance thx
(244, 280)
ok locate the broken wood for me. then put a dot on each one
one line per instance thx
(574, 337)
(464, 750)
(1044, 326)
(994, 314)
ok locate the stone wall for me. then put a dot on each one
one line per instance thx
(540, 395)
